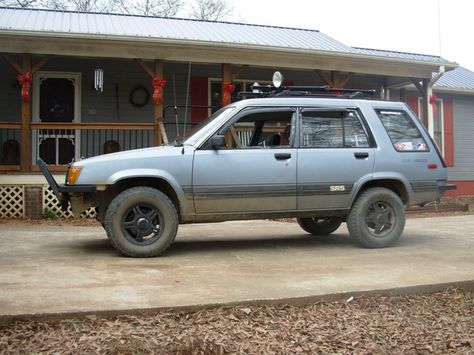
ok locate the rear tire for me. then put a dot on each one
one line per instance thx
(377, 218)
(141, 222)
(319, 226)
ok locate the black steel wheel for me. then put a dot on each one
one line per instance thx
(319, 226)
(141, 222)
(377, 218)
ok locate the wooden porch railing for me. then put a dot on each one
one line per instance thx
(10, 146)
(59, 143)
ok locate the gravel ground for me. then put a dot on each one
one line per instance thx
(441, 323)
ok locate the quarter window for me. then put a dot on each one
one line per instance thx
(332, 129)
(402, 131)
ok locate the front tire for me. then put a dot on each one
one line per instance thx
(141, 222)
(319, 226)
(377, 218)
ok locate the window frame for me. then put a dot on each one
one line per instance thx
(368, 133)
(255, 110)
(405, 114)
(431, 122)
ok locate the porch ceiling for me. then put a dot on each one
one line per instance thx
(210, 52)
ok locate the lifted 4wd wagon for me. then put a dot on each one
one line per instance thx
(291, 153)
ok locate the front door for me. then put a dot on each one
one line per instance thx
(257, 171)
(56, 101)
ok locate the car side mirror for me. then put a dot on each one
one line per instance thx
(218, 141)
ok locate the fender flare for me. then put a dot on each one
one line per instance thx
(383, 175)
(148, 173)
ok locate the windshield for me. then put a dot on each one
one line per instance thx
(194, 132)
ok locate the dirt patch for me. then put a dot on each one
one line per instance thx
(442, 323)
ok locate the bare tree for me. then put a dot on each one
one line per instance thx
(162, 8)
(55, 4)
(211, 10)
(21, 3)
(199, 9)
(91, 5)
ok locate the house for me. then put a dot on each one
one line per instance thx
(82, 84)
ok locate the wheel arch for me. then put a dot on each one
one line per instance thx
(394, 184)
(158, 183)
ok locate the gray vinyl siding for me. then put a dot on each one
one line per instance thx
(10, 101)
(463, 169)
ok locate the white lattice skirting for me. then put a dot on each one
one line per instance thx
(12, 203)
(51, 203)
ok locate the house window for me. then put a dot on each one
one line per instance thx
(438, 127)
(215, 87)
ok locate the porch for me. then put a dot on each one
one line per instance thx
(60, 143)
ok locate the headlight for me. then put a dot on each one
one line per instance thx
(73, 174)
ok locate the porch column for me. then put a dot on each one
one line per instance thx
(225, 94)
(25, 74)
(25, 160)
(158, 83)
(427, 108)
(422, 87)
(226, 79)
(160, 133)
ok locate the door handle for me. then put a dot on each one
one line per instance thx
(361, 155)
(282, 156)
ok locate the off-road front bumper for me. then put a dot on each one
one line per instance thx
(63, 192)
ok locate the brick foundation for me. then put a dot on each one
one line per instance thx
(33, 201)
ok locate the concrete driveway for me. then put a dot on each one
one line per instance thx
(72, 270)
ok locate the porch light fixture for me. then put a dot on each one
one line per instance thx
(99, 80)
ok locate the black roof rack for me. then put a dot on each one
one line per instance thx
(305, 91)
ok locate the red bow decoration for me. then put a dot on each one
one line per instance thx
(25, 82)
(433, 99)
(227, 89)
(158, 85)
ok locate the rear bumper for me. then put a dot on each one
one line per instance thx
(63, 192)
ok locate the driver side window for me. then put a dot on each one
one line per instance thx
(261, 128)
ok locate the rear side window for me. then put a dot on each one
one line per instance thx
(402, 131)
(332, 129)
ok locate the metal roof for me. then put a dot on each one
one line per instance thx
(143, 27)
(459, 78)
(181, 35)
(400, 55)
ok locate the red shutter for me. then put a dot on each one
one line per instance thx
(412, 101)
(199, 96)
(448, 124)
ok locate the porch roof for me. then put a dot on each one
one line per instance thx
(127, 36)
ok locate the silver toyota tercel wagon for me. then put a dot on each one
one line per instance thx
(322, 160)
